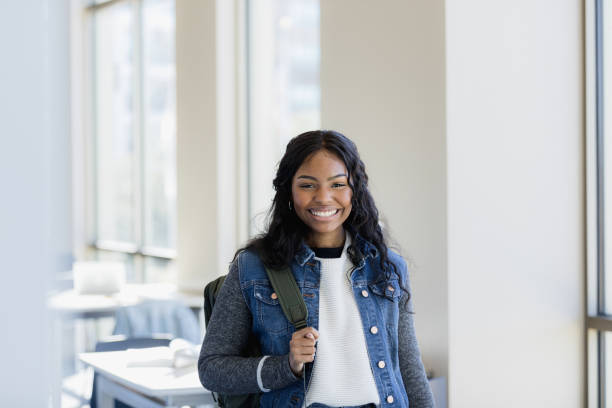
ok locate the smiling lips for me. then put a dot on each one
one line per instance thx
(324, 213)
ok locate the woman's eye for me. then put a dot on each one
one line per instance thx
(305, 185)
(338, 185)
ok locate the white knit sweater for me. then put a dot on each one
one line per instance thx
(341, 373)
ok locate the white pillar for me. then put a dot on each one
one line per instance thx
(35, 237)
(516, 261)
(382, 84)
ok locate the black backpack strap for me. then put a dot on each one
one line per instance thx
(289, 296)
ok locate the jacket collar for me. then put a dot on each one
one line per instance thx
(365, 248)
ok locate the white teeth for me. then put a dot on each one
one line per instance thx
(324, 213)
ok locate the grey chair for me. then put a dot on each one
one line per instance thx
(154, 317)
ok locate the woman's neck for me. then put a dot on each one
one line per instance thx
(333, 239)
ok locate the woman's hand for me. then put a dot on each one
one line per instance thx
(302, 348)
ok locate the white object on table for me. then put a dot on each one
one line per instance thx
(98, 277)
(146, 387)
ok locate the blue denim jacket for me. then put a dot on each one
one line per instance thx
(379, 314)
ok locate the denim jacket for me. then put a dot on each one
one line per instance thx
(377, 301)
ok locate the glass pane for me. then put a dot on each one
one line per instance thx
(114, 121)
(284, 87)
(159, 106)
(159, 270)
(132, 272)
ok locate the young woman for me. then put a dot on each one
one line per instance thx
(359, 349)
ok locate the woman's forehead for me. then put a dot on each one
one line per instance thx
(322, 162)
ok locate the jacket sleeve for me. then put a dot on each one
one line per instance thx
(222, 366)
(413, 373)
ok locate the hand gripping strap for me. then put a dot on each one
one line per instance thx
(289, 296)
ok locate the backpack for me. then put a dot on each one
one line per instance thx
(293, 306)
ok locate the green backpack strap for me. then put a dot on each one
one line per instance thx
(289, 296)
(210, 296)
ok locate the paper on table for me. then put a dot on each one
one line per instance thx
(150, 357)
(180, 353)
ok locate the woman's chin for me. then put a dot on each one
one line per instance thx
(325, 230)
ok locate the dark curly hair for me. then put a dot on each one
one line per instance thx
(286, 231)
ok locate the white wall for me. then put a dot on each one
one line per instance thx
(35, 217)
(382, 85)
(515, 203)
(468, 116)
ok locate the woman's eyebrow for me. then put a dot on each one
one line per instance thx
(315, 179)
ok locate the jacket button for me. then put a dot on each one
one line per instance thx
(391, 288)
(381, 364)
(364, 293)
(373, 329)
(274, 295)
(390, 399)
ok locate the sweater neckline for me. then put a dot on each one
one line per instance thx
(328, 252)
(333, 254)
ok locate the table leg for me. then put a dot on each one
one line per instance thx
(104, 399)
(108, 391)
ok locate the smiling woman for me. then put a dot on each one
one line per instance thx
(323, 229)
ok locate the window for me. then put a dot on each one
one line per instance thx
(283, 89)
(599, 201)
(133, 135)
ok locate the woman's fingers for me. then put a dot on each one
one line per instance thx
(302, 348)
(303, 357)
(300, 351)
(305, 331)
(303, 341)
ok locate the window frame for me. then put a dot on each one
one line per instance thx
(136, 252)
(597, 321)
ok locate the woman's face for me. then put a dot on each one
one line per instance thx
(322, 197)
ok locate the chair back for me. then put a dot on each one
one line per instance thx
(158, 317)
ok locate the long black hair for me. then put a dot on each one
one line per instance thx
(286, 232)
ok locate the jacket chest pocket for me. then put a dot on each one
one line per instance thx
(389, 290)
(387, 295)
(269, 312)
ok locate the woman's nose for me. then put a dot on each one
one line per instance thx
(323, 195)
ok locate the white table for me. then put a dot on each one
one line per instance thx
(71, 303)
(145, 387)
